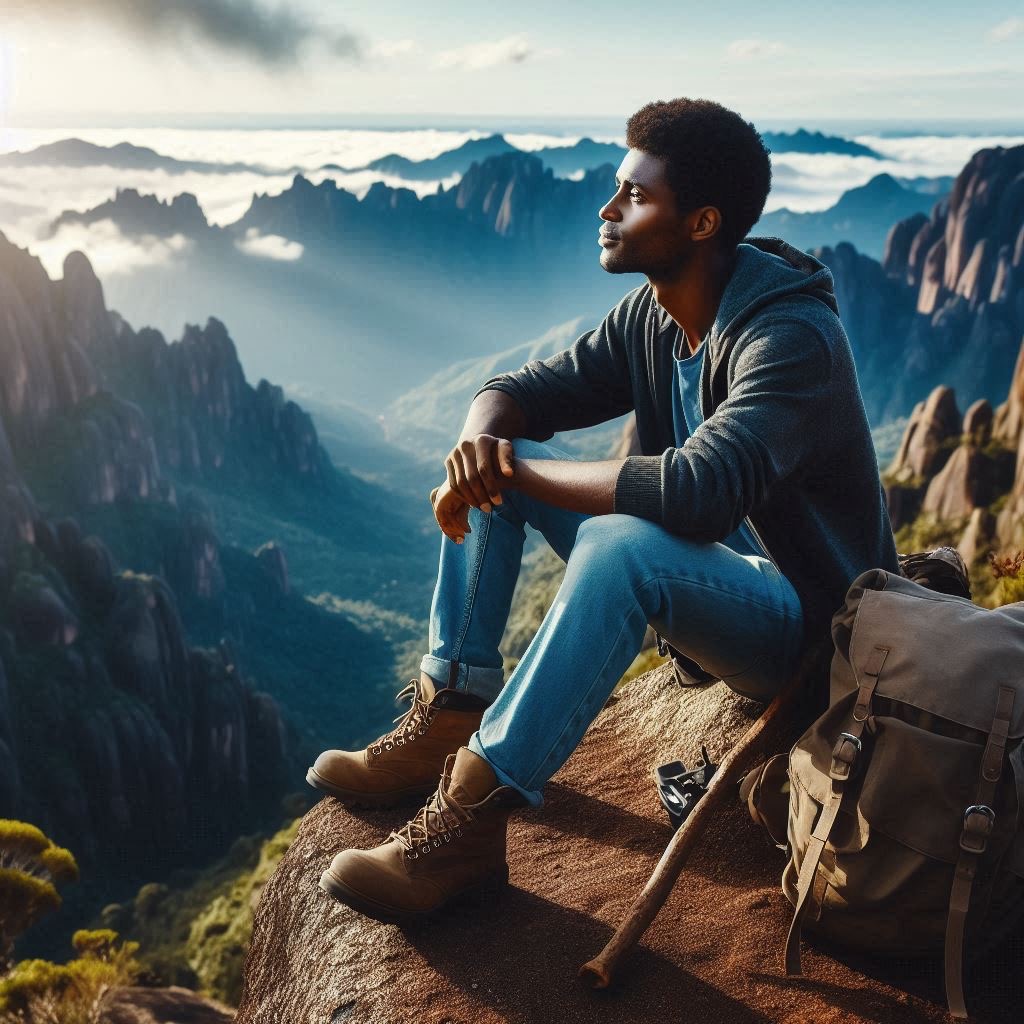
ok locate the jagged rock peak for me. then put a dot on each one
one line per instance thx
(932, 423)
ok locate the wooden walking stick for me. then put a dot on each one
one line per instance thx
(600, 971)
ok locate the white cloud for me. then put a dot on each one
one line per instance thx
(109, 252)
(387, 49)
(1008, 29)
(476, 56)
(271, 247)
(748, 49)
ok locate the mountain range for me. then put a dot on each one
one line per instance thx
(194, 599)
(585, 154)
(498, 257)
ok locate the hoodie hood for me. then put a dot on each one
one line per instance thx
(767, 270)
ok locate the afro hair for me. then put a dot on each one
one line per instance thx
(713, 158)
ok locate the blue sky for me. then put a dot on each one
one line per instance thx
(820, 62)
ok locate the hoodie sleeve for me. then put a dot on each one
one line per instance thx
(587, 383)
(777, 416)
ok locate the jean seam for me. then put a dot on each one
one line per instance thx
(558, 739)
(471, 590)
(710, 586)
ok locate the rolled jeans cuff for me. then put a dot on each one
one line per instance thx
(532, 796)
(485, 683)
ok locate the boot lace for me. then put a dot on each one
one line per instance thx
(411, 724)
(438, 822)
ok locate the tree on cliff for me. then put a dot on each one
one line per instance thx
(31, 868)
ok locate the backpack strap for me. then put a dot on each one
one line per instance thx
(844, 759)
(979, 820)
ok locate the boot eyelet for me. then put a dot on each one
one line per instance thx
(389, 746)
(375, 751)
(422, 731)
(399, 742)
(412, 738)
(412, 854)
(458, 833)
(425, 849)
(447, 837)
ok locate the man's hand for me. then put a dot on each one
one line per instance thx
(478, 468)
(451, 513)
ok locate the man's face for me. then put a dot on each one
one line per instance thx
(643, 231)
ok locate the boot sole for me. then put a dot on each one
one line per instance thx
(353, 798)
(336, 888)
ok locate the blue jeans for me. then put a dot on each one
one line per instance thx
(734, 614)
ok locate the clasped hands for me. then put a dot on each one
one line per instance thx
(479, 468)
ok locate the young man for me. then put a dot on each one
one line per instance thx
(755, 502)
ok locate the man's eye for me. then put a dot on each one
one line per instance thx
(636, 195)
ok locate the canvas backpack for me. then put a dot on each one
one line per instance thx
(904, 817)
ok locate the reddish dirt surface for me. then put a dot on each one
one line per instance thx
(713, 954)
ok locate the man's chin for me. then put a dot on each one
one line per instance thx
(613, 262)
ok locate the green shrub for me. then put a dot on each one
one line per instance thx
(40, 992)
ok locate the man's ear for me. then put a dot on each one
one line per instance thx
(706, 222)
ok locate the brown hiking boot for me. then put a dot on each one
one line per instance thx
(454, 845)
(406, 762)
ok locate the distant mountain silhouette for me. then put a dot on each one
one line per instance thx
(453, 161)
(862, 216)
(137, 214)
(79, 153)
(584, 155)
(803, 141)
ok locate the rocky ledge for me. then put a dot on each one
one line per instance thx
(714, 953)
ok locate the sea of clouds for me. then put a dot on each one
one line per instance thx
(31, 198)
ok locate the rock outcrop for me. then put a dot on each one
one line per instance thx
(173, 1005)
(965, 268)
(965, 476)
(714, 952)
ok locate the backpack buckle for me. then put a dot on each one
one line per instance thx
(844, 757)
(979, 820)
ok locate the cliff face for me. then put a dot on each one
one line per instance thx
(43, 371)
(117, 735)
(964, 266)
(206, 419)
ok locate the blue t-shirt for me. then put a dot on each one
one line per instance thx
(686, 417)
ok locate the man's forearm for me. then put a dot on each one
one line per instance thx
(577, 486)
(495, 413)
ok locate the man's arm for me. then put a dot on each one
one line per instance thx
(588, 383)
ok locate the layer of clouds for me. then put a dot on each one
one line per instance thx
(271, 35)
(30, 200)
(1008, 29)
(271, 247)
(109, 252)
(748, 49)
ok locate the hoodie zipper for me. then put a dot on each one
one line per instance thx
(764, 547)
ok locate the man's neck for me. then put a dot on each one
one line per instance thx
(692, 297)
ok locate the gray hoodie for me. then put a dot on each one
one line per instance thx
(785, 438)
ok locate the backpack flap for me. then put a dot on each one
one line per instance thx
(964, 650)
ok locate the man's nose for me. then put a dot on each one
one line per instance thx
(609, 211)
